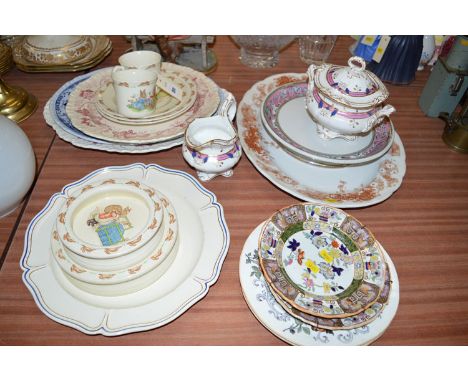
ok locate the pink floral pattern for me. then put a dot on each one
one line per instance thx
(82, 111)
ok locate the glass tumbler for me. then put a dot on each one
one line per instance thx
(315, 49)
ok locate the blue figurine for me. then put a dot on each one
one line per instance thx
(400, 60)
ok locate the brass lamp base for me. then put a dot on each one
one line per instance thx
(16, 103)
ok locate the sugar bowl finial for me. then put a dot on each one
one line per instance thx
(211, 145)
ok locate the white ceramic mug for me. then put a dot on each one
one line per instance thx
(141, 59)
(135, 91)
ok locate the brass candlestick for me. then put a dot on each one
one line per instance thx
(15, 102)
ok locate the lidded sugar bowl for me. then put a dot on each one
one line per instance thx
(346, 101)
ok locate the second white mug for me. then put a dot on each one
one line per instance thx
(141, 59)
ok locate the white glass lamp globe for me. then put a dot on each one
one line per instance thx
(17, 165)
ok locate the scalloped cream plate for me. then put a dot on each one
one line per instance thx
(293, 330)
(202, 246)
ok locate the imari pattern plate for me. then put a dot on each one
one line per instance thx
(321, 260)
(295, 331)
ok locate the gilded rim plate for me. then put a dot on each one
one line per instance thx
(204, 242)
(167, 107)
(81, 109)
(56, 117)
(285, 117)
(321, 260)
(292, 330)
(373, 183)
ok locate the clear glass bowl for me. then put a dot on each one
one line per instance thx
(261, 51)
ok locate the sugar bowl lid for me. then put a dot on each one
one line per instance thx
(351, 85)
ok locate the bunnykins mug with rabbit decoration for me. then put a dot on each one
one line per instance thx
(135, 91)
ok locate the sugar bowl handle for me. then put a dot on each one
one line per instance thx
(378, 116)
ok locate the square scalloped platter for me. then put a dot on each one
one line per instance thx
(203, 245)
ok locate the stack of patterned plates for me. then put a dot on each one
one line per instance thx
(83, 112)
(322, 276)
(280, 139)
(6, 60)
(124, 249)
(60, 53)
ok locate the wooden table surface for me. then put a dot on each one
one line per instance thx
(423, 226)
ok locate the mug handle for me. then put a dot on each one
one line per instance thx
(117, 68)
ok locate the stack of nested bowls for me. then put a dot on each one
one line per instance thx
(336, 122)
(115, 237)
(324, 267)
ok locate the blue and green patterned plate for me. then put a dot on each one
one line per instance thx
(321, 261)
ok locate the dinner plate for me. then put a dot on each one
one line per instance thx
(203, 244)
(81, 109)
(167, 107)
(56, 117)
(286, 118)
(344, 187)
(321, 261)
(293, 330)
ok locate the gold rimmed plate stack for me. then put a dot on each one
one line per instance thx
(60, 53)
(324, 271)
